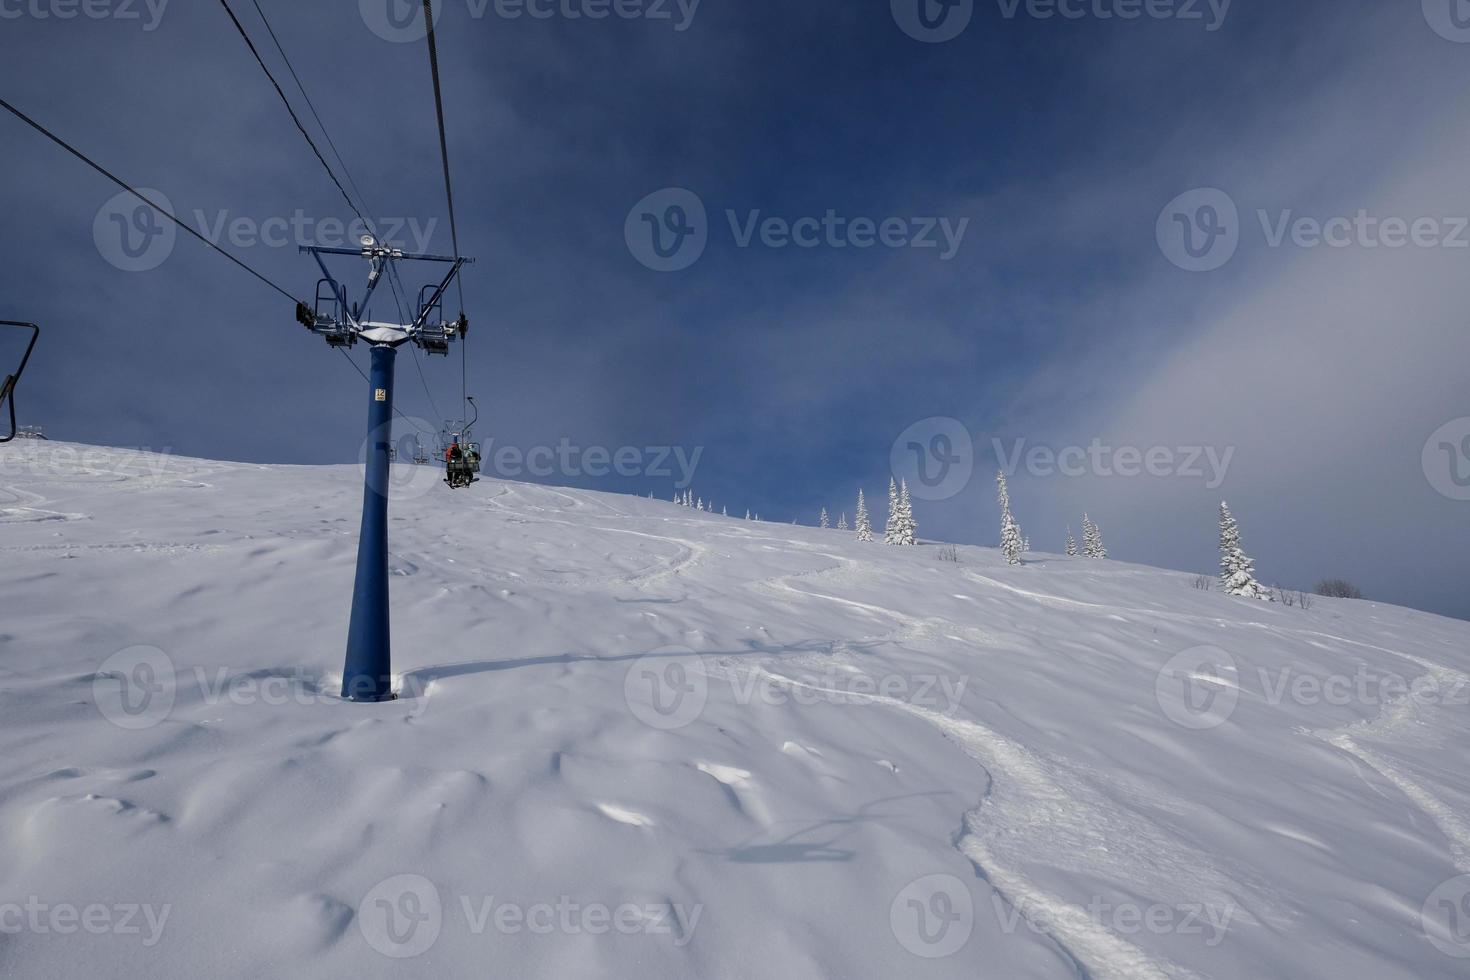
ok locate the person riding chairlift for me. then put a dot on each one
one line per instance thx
(454, 455)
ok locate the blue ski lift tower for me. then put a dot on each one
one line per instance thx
(367, 672)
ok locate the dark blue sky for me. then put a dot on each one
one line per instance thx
(1059, 319)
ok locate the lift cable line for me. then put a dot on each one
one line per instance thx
(294, 118)
(139, 195)
(427, 394)
(443, 140)
(171, 217)
(337, 154)
(448, 186)
(394, 282)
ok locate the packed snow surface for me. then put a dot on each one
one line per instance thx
(637, 740)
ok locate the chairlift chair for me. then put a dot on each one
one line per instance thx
(463, 472)
(7, 385)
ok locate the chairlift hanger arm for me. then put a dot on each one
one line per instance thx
(434, 300)
(7, 385)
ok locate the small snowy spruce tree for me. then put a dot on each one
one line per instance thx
(864, 525)
(891, 533)
(1011, 543)
(1092, 544)
(1237, 571)
(908, 527)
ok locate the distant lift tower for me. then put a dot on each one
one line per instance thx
(367, 674)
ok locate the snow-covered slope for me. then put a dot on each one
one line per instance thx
(641, 741)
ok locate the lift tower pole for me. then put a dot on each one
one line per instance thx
(367, 673)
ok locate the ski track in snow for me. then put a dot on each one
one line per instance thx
(1392, 721)
(1039, 810)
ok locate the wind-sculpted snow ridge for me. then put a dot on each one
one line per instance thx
(634, 739)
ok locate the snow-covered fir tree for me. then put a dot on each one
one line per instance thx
(1092, 543)
(1011, 543)
(907, 527)
(1071, 543)
(890, 529)
(699, 503)
(864, 525)
(823, 521)
(747, 513)
(1025, 545)
(842, 522)
(1237, 571)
